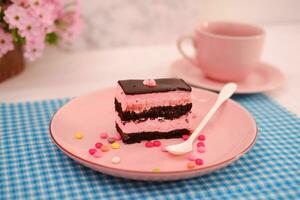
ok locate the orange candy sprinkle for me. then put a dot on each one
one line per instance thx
(105, 148)
(190, 165)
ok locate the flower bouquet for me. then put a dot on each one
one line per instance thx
(27, 25)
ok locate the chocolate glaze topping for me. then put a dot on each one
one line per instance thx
(131, 87)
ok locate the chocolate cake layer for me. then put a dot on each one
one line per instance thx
(167, 112)
(132, 87)
(138, 137)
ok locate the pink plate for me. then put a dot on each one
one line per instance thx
(229, 135)
(264, 78)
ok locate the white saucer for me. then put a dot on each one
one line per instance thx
(264, 78)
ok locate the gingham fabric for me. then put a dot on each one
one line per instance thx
(32, 167)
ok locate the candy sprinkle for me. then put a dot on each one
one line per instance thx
(185, 137)
(190, 165)
(115, 159)
(103, 135)
(192, 157)
(201, 149)
(199, 161)
(201, 137)
(156, 143)
(117, 137)
(97, 154)
(149, 144)
(200, 144)
(92, 151)
(104, 148)
(156, 170)
(78, 135)
(98, 145)
(115, 145)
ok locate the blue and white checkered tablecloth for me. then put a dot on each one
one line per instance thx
(32, 167)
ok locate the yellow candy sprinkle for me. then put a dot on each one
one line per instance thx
(115, 145)
(78, 135)
(156, 170)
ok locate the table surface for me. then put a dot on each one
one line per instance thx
(65, 74)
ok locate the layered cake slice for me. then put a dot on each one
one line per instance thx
(152, 109)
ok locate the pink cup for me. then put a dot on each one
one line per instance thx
(225, 51)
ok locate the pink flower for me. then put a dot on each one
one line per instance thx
(24, 20)
(70, 24)
(6, 42)
(58, 7)
(34, 19)
(37, 17)
(32, 28)
(46, 12)
(16, 16)
(72, 30)
(34, 49)
(22, 3)
(33, 3)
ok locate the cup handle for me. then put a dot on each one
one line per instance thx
(181, 51)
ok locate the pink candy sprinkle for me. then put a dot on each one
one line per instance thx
(98, 145)
(149, 144)
(185, 137)
(200, 144)
(156, 143)
(201, 137)
(192, 157)
(163, 149)
(117, 137)
(97, 154)
(201, 149)
(92, 151)
(149, 82)
(103, 135)
(199, 161)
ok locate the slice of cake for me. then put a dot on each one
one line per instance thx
(152, 109)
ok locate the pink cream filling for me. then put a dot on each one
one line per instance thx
(141, 102)
(155, 125)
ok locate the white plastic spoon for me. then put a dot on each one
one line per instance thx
(187, 146)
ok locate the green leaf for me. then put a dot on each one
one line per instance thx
(16, 37)
(52, 38)
(14, 34)
(22, 40)
(1, 15)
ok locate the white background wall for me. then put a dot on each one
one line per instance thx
(116, 23)
(259, 11)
